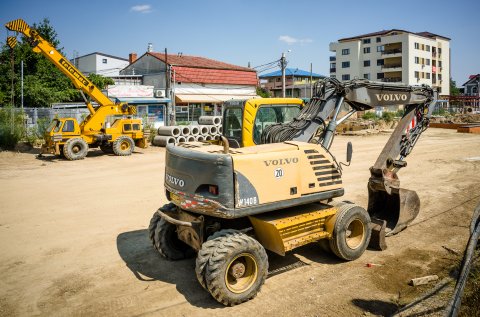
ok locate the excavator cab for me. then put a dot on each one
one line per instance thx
(58, 132)
(245, 120)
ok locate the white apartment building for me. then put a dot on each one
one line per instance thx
(394, 56)
(100, 64)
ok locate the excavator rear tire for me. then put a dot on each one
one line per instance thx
(351, 233)
(167, 242)
(75, 149)
(123, 146)
(236, 269)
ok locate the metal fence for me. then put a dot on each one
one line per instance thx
(35, 115)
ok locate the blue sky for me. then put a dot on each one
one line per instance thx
(240, 32)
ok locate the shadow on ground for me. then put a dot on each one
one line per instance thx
(376, 307)
(147, 265)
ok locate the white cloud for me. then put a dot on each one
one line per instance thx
(142, 8)
(291, 40)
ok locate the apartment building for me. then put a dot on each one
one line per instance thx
(394, 56)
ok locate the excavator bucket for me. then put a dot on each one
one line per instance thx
(398, 209)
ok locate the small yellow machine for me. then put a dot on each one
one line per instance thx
(230, 203)
(64, 135)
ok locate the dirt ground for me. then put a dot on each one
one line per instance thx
(73, 238)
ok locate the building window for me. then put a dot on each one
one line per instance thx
(333, 65)
(417, 60)
(428, 75)
(427, 48)
(439, 63)
(439, 76)
(380, 62)
(366, 63)
(346, 51)
(366, 41)
(379, 39)
(366, 50)
(345, 64)
(279, 79)
(346, 77)
(427, 61)
(380, 48)
(104, 60)
(417, 75)
(366, 76)
(380, 75)
(417, 46)
(333, 76)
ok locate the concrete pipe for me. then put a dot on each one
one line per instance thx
(200, 138)
(220, 129)
(204, 130)
(208, 138)
(194, 130)
(213, 130)
(169, 131)
(210, 120)
(185, 130)
(191, 138)
(163, 140)
(181, 139)
(217, 136)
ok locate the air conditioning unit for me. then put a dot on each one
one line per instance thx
(159, 93)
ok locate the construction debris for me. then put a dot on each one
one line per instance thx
(422, 280)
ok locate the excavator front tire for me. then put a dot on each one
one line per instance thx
(236, 269)
(351, 233)
(123, 146)
(75, 149)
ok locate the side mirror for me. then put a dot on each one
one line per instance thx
(349, 152)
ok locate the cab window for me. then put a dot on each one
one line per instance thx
(136, 127)
(233, 123)
(58, 125)
(52, 125)
(68, 126)
(127, 127)
(268, 115)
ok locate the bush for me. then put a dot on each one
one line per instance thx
(388, 116)
(12, 127)
(369, 116)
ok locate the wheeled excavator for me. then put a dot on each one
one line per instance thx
(65, 135)
(229, 204)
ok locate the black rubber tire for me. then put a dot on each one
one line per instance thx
(207, 249)
(325, 245)
(230, 248)
(123, 146)
(155, 219)
(350, 215)
(75, 149)
(106, 148)
(167, 243)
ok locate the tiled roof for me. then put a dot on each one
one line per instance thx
(214, 76)
(196, 61)
(385, 32)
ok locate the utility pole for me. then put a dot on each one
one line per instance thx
(170, 109)
(311, 81)
(283, 65)
(21, 83)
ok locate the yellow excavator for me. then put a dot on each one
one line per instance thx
(65, 135)
(228, 204)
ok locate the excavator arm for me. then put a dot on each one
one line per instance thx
(391, 208)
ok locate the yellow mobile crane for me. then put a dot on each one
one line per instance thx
(64, 135)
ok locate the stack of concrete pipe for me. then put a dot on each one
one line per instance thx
(208, 128)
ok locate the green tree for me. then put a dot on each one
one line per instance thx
(454, 91)
(44, 84)
(100, 81)
(262, 92)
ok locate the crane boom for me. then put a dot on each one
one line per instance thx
(40, 45)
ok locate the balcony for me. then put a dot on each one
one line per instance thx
(333, 70)
(395, 51)
(392, 68)
(333, 58)
(392, 79)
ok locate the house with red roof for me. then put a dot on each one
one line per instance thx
(199, 85)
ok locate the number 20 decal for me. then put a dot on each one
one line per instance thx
(278, 172)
